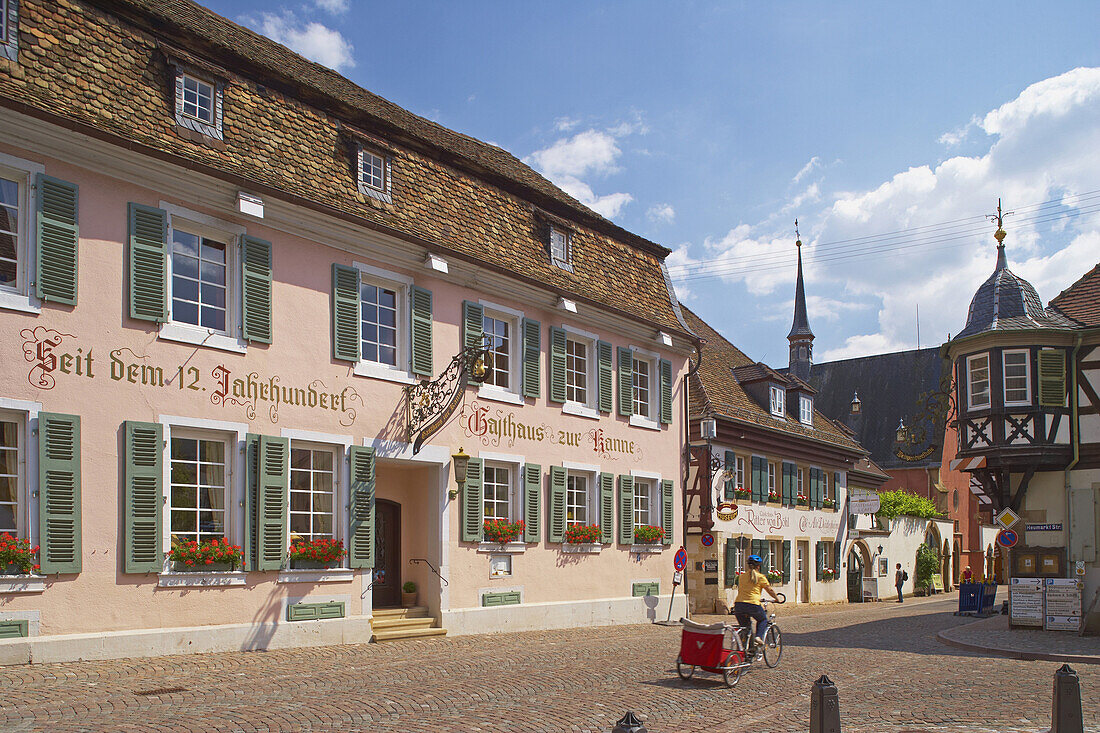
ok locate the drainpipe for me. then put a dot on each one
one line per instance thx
(1075, 439)
(687, 467)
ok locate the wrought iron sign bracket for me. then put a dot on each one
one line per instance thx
(429, 404)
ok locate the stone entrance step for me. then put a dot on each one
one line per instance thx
(392, 624)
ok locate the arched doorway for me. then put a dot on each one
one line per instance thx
(859, 567)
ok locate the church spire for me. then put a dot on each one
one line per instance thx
(801, 338)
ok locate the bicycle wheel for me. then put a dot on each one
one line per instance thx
(731, 676)
(773, 646)
(680, 667)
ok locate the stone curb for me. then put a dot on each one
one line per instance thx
(1015, 653)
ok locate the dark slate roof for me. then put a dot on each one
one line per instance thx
(1081, 301)
(801, 324)
(891, 387)
(758, 372)
(1007, 302)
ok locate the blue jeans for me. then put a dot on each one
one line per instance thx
(900, 599)
(745, 612)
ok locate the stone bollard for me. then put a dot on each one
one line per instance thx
(629, 724)
(1065, 715)
(824, 707)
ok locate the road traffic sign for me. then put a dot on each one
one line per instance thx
(1007, 518)
(680, 560)
(707, 539)
(1007, 538)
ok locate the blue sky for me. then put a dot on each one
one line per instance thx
(887, 129)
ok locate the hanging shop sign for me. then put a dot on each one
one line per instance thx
(727, 511)
(862, 501)
(57, 356)
(495, 426)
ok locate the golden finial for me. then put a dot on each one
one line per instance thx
(998, 219)
(797, 238)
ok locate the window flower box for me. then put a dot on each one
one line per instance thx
(500, 532)
(802, 500)
(17, 557)
(582, 534)
(774, 577)
(829, 503)
(318, 554)
(773, 497)
(647, 534)
(208, 556)
(828, 574)
(742, 493)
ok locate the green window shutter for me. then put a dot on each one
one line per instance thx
(665, 369)
(272, 502)
(626, 510)
(820, 553)
(59, 493)
(148, 263)
(251, 498)
(759, 478)
(790, 484)
(472, 506)
(473, 324)
(785, 564)
(607, 508)
(603, 374)
(361, 499)
(667, 507)
(754, 549)
(144, 479)
(819, 491)
(532, 502)
(731, 467)
(557, 364)
(626, 382)
(420, 315)
(555, 511)
(532, 348)
(731, 562)
(836, 489)
(346, 338)
(836, 559)
(1052, 378)
(57, 238)
(256, 289)
(14, 628)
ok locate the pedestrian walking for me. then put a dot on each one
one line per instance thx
(899, 580)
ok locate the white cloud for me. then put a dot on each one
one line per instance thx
(814, 162)
(313, 40)
(662, 213)
(812, 194)
(565, 124)
(335, 7)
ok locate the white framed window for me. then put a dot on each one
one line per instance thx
(977, 379)
(646, 507)
(578, 499)
(771, 477)
(740, 552)
(499, 492)
(739, 472)
(374, 170)
(805, 410)
(314, 489)
(12, 473)
(199, 489)
(774, 548)
(825, 485)
(198, 103)
(800, 491)
(561, 248)
(776, 398)
(502, 335)
(643, 386)
(1017, 377)
(380, 306)
(579, 357)
(17, 233)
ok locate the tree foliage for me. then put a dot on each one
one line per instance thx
(896, 503)
(928, 564)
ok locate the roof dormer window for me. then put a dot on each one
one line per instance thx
(561, 248)
(805, 410)
(776, 400)
(198, 104)
(374, 174)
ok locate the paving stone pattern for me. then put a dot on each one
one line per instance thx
(994, 633)
(892, 675)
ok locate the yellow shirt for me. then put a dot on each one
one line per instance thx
(749, 586)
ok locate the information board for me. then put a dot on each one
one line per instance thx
(1025, 602)
(710, 566)
(1063, 604)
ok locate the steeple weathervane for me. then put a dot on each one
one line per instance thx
(801, 338)
(1000, 234)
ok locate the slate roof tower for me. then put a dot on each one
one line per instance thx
(801, 338)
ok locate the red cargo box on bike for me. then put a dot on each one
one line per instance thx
(703, 645)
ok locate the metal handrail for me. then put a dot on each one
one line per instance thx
(415, 560)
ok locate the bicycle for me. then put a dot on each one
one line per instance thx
(772, 650)
(703, 646)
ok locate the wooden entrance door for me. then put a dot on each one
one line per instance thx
(387, 554)
(855, 576)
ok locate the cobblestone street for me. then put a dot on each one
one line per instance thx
(891, 673)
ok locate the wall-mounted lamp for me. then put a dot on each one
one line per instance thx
(461, 461)
(903, 432)
(880, 549)
(857, 406)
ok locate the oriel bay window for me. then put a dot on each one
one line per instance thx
(1017, 377)
(977, 370)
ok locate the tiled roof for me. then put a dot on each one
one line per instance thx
(291, 126)
(715, 389)
(1081, 301)
(1007, 302)
(757, 372)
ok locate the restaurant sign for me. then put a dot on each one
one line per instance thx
(493, 426)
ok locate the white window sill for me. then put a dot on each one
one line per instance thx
(644, 422)
(585, 549)
(374, 370)
(18, 302)
(187, 334)
(509, 548)
(324, 575)
(22, 584)
(201, 580)
(643, 549)
(489, 392)
(576, 408)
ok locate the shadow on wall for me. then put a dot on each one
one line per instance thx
(395, 431)
(264, 623)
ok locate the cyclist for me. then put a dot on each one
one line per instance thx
(747, 605)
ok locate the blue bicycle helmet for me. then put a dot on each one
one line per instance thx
(755, 558)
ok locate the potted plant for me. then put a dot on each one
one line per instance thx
(828, 503)
(774, 576)
(315, 554)
(645, 534)
(500, 531)
(802, 500)
(742, 493)
(582, 534)
(213, 555)
(773, 497)
(408, 594)
(17, 556)
(828, 573)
